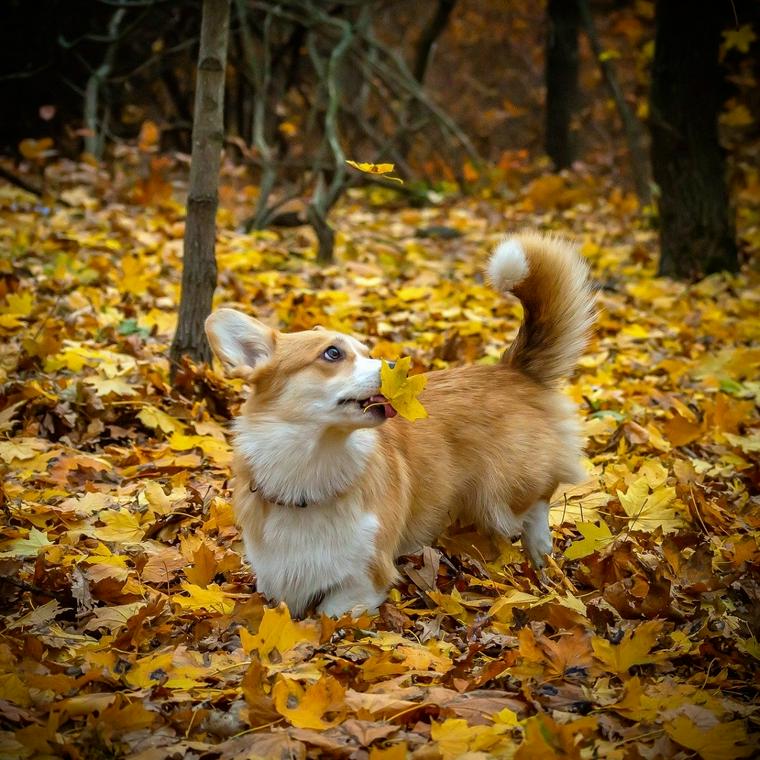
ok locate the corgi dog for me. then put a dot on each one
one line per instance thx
(330, 486)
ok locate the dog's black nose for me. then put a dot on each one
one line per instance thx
(391, 364)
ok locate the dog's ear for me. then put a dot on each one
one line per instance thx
(242, 343)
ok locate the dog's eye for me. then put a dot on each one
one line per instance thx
(332, 354)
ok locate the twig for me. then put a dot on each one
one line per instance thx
(631, 126)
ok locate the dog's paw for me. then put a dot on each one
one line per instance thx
(537, 542)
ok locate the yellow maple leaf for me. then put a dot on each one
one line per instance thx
(307, 707)
(35, 149)
(105, 386)
(114, 616)
(738, 116)
(136, 277)
(455, 737)
(120, 527)
(149, 670)
(19, 449)
(29, 546)
(153, 417)
(211, 598)
(213, 448)
(648, 509)
(382, 169)
(715, 743)
(277, 631)
(595, 537)
(18, 304)
(401, 390)
(740, 38)
(635, 648)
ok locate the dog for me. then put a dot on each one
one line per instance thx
(330, 487)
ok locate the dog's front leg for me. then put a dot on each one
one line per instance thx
(536, 534)
(355, 595)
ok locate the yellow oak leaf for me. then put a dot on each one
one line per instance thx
(720, 741)
(635, 648)
(382, 169)
(595, 537)
(307, 707)
(402, 391)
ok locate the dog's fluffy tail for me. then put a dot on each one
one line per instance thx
(552, 282)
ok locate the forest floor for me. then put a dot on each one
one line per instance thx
(129, 626)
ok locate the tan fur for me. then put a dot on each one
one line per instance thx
(497, 441)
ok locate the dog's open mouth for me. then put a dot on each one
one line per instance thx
(377, 405)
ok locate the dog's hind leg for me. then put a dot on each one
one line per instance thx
(536, 534)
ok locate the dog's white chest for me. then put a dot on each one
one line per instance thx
(304, 552)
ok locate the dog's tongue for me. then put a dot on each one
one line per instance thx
(387, 408)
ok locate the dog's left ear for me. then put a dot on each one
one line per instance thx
(242, 343)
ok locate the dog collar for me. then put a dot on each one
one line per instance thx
(300, 504)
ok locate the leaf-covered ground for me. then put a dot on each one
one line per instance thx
(130, 626)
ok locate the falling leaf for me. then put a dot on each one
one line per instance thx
(740, 38)
(381, 169)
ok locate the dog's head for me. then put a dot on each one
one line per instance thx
(317, 376)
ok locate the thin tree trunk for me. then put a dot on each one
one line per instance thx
(95, 137)
(696, 229)
(563, 22)
(631, 125)
(429, 37)
(199, 264)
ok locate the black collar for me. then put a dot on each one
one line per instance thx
(301, 504)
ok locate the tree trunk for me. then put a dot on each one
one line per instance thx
(696, 229)
(631, 126)
(429, 37)
(563, 22)
(199, 264)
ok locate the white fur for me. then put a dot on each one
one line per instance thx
(536, 534)
(320, 549)
(508, 265)
(299, 461)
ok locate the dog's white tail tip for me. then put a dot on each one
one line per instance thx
(508, 265)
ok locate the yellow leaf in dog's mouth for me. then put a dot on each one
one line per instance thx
(402, 391)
